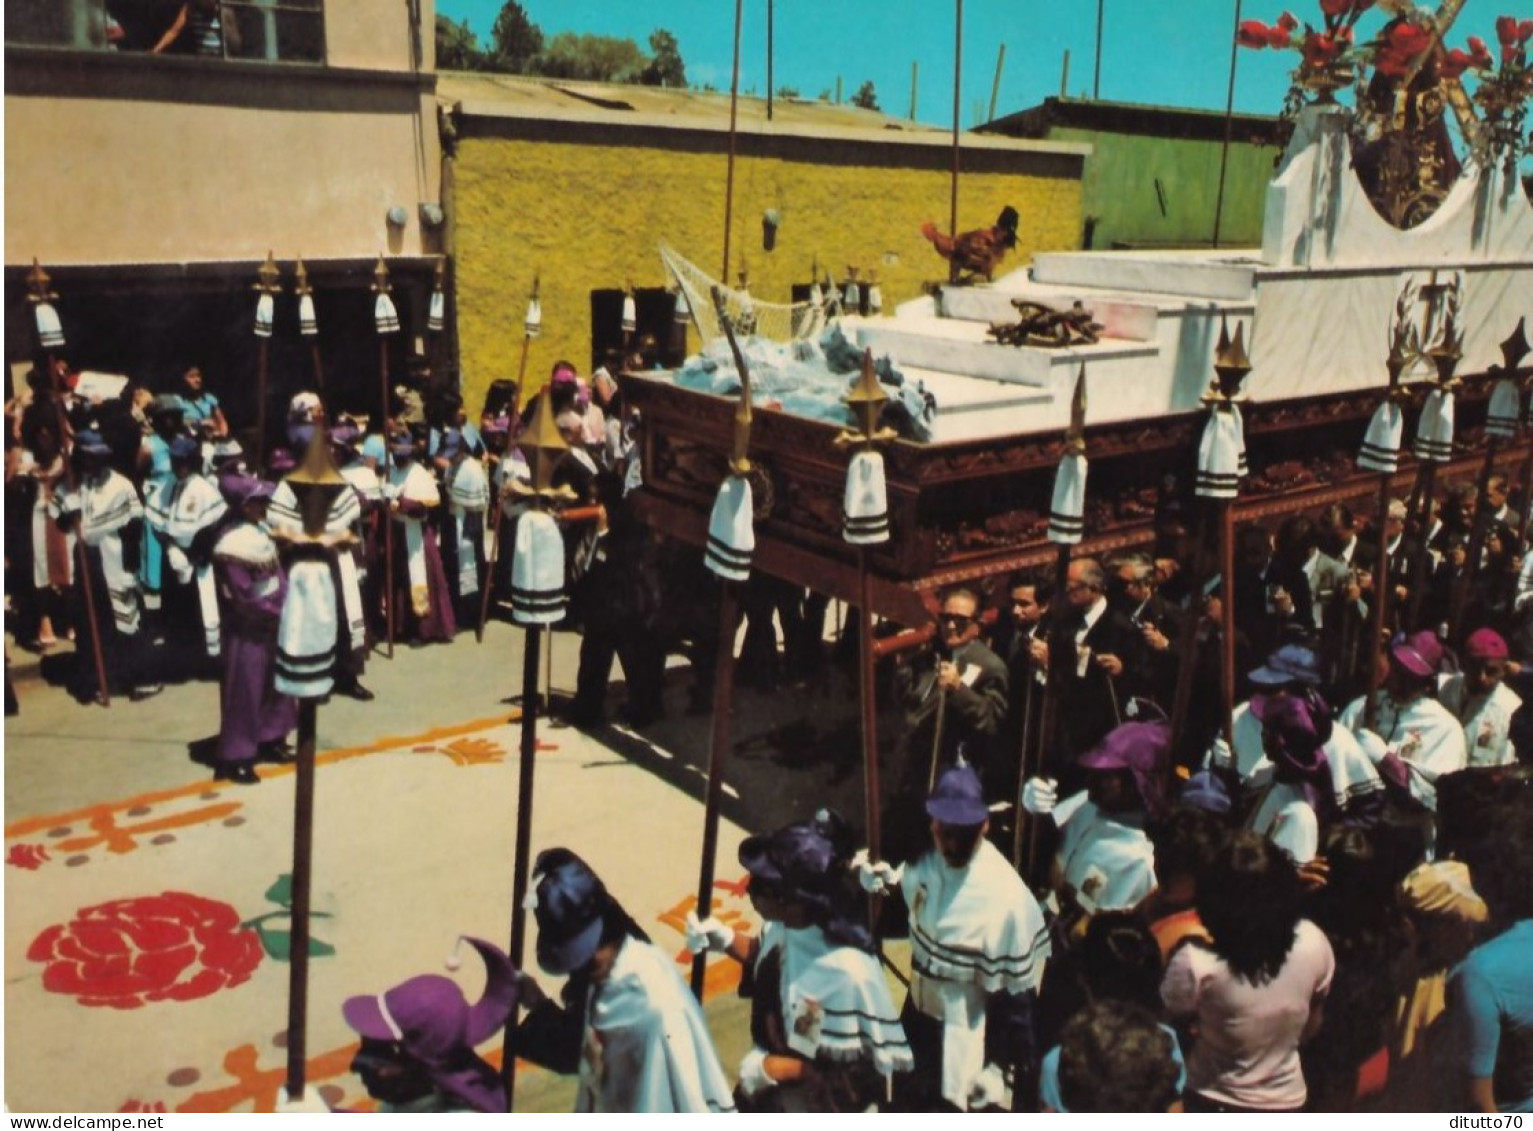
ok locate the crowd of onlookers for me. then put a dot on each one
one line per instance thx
(1321, 900)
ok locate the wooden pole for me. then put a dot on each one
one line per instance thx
(1383, 591)
(1023, 766)
(522, 865)
(500, 514)
(1459, 601)
(82, 555)
(1425, 479)
(1187, 661)
(868, 693)
(1229, 122)
(1227, 625)
(1060, 636)
(39, 294)
(723, 711)
(263, 346)
(734, 109)
(388, 512)
(769, 36)
(303, 858)
(952, 225)
(995, 86)
(1096, 76)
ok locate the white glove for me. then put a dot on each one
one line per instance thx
(988, 1089)
(180, 564)
(1040, 795)
(876, 879)
(1373, 745)
(311, 1104)
(753, 1074)
(707, 935)
(1219, 755)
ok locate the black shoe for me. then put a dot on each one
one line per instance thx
(204, 752)
(355, 691)
(240, 773)
(149, 691)
(278, 753)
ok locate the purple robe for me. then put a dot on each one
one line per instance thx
(252, 591)
(437, 624)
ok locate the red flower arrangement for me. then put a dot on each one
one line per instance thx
(1513, 35)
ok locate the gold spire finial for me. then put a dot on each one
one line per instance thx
(38, 284)
(381, 277)
(866, 400)
(316, 482)
(1230, 362)
(268, 277)
(1515, 348)
(1075, 438)
(301, 278)
(544, 447)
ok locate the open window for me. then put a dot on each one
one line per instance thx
(287, 31)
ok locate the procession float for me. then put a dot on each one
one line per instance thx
(1392, 271)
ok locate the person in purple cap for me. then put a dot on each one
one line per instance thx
(1105, 861)
(418, 1040)
(1294, 671)
(825, 1036)
(1296, 806)
(1415, 739)
(254, 720)
(629, 1027)
(1480, 699)
(978, 946)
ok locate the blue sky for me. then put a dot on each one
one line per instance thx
(1170, 52)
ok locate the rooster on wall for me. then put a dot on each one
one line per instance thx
(979, 252)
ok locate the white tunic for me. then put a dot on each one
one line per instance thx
(646, 1046)
(1425, 735)
(1487, 721)
(974, 931)
(835, 1000)
(1109, 864)
(1352, 775)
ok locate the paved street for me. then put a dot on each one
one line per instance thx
(105, 815)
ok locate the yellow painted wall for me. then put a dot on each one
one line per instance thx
(587, 216)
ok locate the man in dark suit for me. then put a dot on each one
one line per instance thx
(959, 684)
(1087, 654)
(1158, 621)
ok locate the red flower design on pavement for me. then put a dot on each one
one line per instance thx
(28, 856)
(142, 1105)
(168, 947)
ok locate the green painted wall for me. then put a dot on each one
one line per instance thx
(1120, 189)
(586, 215)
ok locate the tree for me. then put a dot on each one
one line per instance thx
(457, 47)
(665, 67)
(592, 58)
(787, 92)
(517, 40)
(866, 96)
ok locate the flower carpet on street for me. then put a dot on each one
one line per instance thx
(148, 938)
